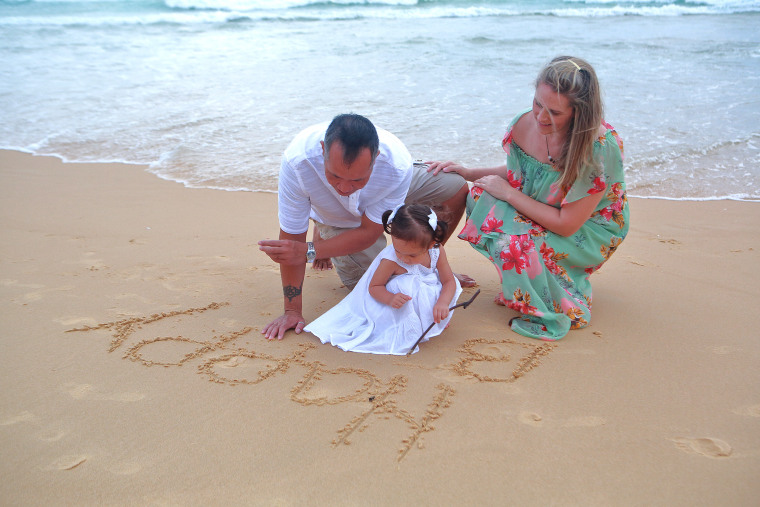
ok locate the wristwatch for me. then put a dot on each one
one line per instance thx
(311, 254)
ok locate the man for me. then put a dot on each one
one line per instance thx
(343, 177)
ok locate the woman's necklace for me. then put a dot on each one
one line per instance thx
(551, 160)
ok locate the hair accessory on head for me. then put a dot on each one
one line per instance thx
(433, 220)
(576, 65)
(393, 213)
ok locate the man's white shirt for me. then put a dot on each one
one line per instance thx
(305, 193)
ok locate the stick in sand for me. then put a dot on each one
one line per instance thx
(463, 305)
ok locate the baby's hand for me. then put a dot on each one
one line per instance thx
(440, 312)
(399, 300)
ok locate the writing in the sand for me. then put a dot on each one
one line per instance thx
(377, 398)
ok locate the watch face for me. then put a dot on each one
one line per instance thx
(311, 254)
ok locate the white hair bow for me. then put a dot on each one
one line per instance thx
(432, 217)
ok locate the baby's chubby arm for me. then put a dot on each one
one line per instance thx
(385, 270)
(448, 287)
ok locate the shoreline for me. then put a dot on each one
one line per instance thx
(146, 168)
(134, 370)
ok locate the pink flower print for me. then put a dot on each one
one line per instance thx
(513, 259)
(575, 313)
(599, 186)
(550, 258)
(516, 255)
(513, 180)
(476, 192)
(491, 223)
(520, 302)
(470, 232)
(614, 210)
(566, 305)
(507, 141)
(525, 243)
(616, 136)
(519, 306)
(617, 190)
(548, 255)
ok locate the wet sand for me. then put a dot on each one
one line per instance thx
(134, 370)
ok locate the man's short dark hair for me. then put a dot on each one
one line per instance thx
(355, 132)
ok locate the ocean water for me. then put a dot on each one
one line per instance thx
(209, 92)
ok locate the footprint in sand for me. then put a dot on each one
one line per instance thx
(269, 268)
(82, 391)
(669, 241)
(30, 297)
(68, 462)
(530, 418)
(589, 421)
(24, 416)
(51, 435)
(45, 434)
(77, 321)
(15, 283)
(723, 350)
(77, 391)
(710, 447)
(750, 411)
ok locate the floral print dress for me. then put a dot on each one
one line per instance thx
(545, 276)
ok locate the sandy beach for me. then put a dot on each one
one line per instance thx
(133, 369)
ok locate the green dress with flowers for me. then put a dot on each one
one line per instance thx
(545, 276)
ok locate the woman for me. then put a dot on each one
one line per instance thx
(557, 210)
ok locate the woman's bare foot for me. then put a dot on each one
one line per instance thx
(465, 281)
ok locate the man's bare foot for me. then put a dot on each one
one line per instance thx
(465, 281)
(322, 264)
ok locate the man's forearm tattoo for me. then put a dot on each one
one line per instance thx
(291, 291)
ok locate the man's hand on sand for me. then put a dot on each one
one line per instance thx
(278, 327)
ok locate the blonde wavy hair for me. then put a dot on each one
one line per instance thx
(576, 80)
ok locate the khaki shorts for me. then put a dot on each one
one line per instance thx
(432, 190)
(425, 188)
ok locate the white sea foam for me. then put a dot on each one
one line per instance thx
(190, 12)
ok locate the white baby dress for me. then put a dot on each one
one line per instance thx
(359, 323)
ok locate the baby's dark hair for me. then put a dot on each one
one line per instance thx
(411, 224)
